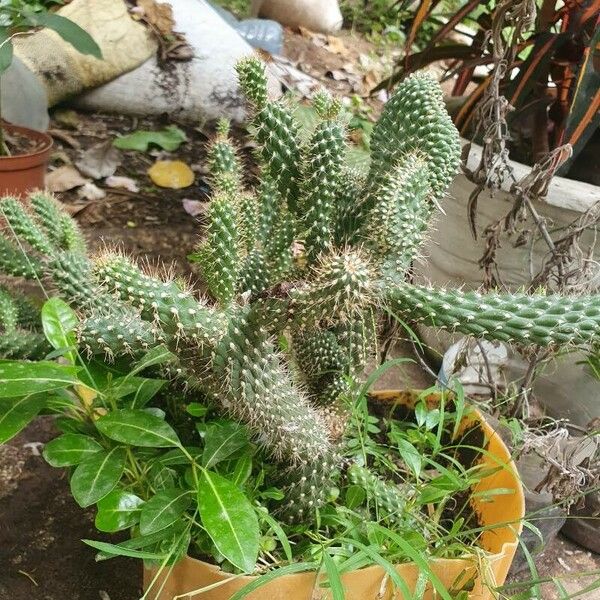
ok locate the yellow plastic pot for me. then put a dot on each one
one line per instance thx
(503, 514)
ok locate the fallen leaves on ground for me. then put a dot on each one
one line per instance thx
(195, 208)
(337, 46)
(174, 174)
(90, 191)
(168, 139)
(122, 183)
(100, 160)
(158, 15)
(64, 178)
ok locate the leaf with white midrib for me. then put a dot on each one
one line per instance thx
(240, 552)
(148, 526)
(87, 493)
(121, 426)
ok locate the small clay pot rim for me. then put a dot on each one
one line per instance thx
(31, 134)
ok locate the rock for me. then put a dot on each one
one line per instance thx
(317, 15)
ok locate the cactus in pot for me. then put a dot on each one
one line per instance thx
(299, 274)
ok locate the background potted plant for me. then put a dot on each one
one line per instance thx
(24, 152)
(227, 428)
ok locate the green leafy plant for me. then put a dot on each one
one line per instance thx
(21, 17)
(184, 416)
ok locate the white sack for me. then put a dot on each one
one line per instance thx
(316, 15)
(204, 88)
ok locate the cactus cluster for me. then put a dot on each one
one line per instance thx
(299, 273)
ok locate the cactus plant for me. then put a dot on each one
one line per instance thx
(299, 273)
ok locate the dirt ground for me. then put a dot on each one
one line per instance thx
(41, 528)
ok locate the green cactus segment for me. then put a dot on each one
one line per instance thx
(325, 105)
(72, 275)
(523, 318)
(278, 247)
(321, 178)
(322, 363)
(397, 223)
(223, 161)
(61, 230)
(276, 131)
(73, 239)
(415, 118)
(117, 333)
(249, 220)
(24, 227)
(253, 81)
(218, 255)
(340, 288)
(9, 312)
(24, 345)
(266, 266)
(29, 314)
(358, 340)
(16, 263)
(49, 216)
(312, 484)
(279, 149)
(256, 388)
(176, 310)
(254, 277)
(270, 203)
(386, 496)
(347, 216)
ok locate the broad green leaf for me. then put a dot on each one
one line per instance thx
(59, 321)
(221, 440)
(147, 389)
(119, 510)
(164, 509)
(159, 355)
(137, 428)
(355, 496)
(6, 50)
(119, 550)
(178, 457)
(70, 449)
(69, 31)
(21, 378)
(229, 520)
(16, 413)
(168, 139)
(410, 455)
(161, 477)
(97, 476)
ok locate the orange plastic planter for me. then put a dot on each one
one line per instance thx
(503, 514)
(22, 173)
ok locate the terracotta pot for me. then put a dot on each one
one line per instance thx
(503, 513)
(23, 173)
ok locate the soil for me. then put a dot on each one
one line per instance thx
(19, 144)
(42, 556)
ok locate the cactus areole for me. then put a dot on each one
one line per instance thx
(299, 272)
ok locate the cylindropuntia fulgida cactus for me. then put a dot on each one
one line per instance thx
(299, 273)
